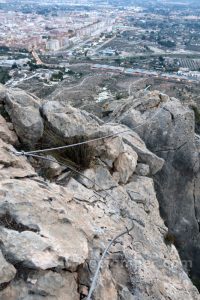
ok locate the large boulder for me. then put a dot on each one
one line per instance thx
(24, 113)
(68, 121)
(126, 163)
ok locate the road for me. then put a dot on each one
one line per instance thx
(12, 83)
(36, 56)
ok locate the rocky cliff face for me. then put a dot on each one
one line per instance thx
(171, 136)
(53, 231)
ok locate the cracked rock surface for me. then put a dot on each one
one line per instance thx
(52, 236)
(171, 136)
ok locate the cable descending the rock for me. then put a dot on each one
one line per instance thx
(92, 287)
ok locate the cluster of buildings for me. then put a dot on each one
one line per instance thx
(47, 32)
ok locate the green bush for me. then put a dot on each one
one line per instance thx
(57, 76)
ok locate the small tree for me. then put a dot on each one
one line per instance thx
(14, 66)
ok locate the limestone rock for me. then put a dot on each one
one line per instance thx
(145, 156)
(139, 103)
(43, 285)
(141, 191)
(45, 244)
(68, 121)
(29, 248)
(6, 132)
(169, 131)
(142, 169)
(130, 138)
(126, 163)
(81, 192)
(110, 149)
(106, 288)
(126, 295)
(100, 179)
(7, 271)
(12, 166)
(24, 112)
(51, 168)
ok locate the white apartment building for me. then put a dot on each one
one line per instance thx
(53, 45)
